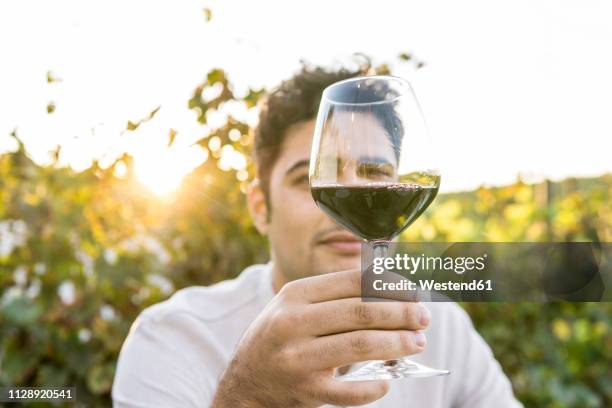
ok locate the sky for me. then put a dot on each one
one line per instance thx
(521, 87)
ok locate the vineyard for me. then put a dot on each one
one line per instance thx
(82, 253)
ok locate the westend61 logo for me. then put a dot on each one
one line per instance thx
(413, 264)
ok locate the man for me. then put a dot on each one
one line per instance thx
(274, 336)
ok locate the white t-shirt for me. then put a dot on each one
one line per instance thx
(177, 350)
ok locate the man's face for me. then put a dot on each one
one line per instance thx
(304, 241)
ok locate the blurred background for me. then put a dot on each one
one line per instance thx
(124, 156)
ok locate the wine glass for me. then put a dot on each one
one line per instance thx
(372, 169)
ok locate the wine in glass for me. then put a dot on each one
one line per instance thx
(372, 169)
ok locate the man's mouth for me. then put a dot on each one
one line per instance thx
(342, 242)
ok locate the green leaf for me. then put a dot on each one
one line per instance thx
(51, 78)
(134, 125)
(171, 137)
(22, 312)
(207, 14)
(49, 376)
(16, 365)
(404, 56)
(100, 378)
(253, 96)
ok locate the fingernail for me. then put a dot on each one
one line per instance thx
(425, 316)
(419, 338)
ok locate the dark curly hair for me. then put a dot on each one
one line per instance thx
(293, 101)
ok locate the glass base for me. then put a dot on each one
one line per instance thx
(388, 370)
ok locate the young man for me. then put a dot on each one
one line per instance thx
(273, 336)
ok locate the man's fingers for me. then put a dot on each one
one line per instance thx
(353, 393)
(352, 314)
(320, 288)
(345, 284)
(348, 348)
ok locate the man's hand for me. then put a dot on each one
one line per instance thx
(288, 355)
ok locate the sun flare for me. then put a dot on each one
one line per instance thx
(163, 173)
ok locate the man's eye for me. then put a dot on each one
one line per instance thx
(375, 170)
(379, 172)
(302, 180)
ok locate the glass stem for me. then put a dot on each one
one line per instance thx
(381, 250)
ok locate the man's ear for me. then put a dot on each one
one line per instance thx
(256, 201)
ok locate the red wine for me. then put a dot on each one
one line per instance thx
(374, 211)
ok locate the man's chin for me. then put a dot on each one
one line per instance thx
(329, 260)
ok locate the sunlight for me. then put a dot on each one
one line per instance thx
(163, 173)
(231, 159)
(159, 176)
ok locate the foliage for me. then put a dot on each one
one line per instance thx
(81, 253)
(559, 354)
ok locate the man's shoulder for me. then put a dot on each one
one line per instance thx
(210, 303)
(183, 343)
